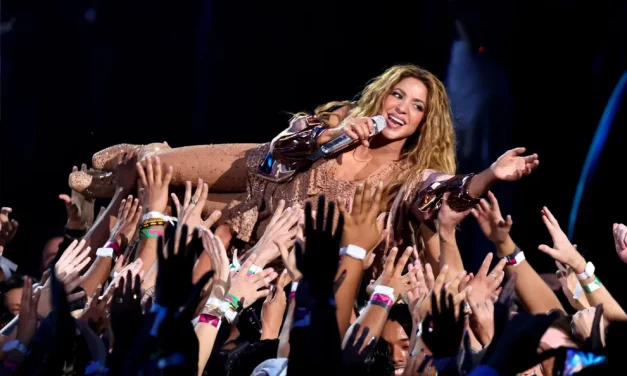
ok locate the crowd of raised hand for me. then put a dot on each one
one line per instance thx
(125, 294)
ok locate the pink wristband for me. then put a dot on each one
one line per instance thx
(382, 300)
(209, 319)
(115, 246)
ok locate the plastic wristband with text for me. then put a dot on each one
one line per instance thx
(592, 286)
(515, 258)
(383, 296)
(149, 234)
(115, 246)
(353, 251)
(227, 311)
(104, 252)
(212, 320)
(233, 301)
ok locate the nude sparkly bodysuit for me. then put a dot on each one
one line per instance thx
(247, 198)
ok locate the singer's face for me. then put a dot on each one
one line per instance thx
(404, 108)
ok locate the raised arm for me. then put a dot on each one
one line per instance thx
(535, 294)
(564, 252)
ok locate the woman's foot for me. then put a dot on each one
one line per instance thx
(93, 183)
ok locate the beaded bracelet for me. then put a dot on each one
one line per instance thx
(152, 223)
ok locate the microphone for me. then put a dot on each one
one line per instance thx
(344, 141)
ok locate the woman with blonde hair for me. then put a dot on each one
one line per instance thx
(413, 158)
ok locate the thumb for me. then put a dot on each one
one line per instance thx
(548, 250)
(508, 221)
(65, 198)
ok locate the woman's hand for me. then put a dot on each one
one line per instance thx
(154, 183)
(190, 212)
(135, 268)
(289, 260)
(358, 128)
(481, 319)
(129, 214)
(27, 324)
(282, 228)
(363, 225)
(562, 251)
(512, 166)
(97, 311)
(73, 260)
(484, 284)
(274, 308)
(568, 280)
(620, 241)
(424, 282)
(214, 248)
(491, 220)
(393, 276)
(449, 218)
(245, 286)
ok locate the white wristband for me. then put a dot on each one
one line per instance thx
(353, 251)
(227, 311)
(254, 269)
(294, 286)
(587, 273)
(215, 302)
(156, 214)
(384, 290)
(104, 252)
(235, 265)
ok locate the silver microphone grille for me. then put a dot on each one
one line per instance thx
(379, 124)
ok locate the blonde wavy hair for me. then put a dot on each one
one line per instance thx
(432, 146)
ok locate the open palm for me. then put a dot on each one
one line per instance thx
(512, 166)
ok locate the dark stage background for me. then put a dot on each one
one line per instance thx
(78, 76)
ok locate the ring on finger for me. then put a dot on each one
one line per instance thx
(494, 275)
(193, 201)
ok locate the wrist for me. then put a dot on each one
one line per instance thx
(268, 333)
(325, 136)
(447, 233)
(579, 265)
(505, 247)
(491, 174)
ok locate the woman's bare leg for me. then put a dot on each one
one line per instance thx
(222, 166)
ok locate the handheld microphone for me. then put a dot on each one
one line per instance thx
(344, 140)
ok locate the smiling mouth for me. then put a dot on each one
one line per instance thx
(395, 122)
(399, 371)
